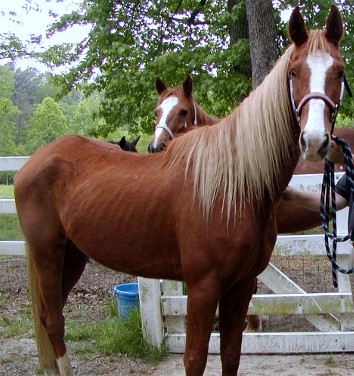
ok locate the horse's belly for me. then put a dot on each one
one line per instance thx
(124, 238)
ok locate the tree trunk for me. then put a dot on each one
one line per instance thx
(262, 38)
(239, 28)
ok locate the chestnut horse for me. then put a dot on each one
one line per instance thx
(207, 217)
(176, 112)
(174, 124)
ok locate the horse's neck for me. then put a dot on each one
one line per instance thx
(203, 118)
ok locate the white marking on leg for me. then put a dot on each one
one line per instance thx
(64, 366)
(166, 107)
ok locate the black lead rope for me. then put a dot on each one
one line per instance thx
(328, 208)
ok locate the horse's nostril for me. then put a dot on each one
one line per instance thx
(302, 142)
(324, 148)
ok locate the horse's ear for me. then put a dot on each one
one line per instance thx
(134, 142)
(296, 27)
(122, 142)
(188, 85)
(160, 85)
(334, 25)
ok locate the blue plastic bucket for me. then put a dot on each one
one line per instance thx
(127, 297)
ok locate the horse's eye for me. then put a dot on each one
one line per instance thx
(183, 112)
(341, 73)
(292, 74)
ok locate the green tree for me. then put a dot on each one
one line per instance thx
(131, 42)
(79, 112)
(46, 124)
(27, 83)
(7, 112)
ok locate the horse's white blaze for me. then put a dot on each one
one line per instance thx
(319, 63)
(166, 106)
(64, 366)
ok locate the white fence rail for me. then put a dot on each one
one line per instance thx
(7, 206)
(163, 305)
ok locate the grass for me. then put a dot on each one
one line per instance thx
(6, 191)
(329, 360)
(10, 227)
(108, 336)
(18, 324)
(111, 336)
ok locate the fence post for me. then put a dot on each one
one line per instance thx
(150, 310)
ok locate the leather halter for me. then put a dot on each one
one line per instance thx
(168, 130)
(315, 95)
(334, 108)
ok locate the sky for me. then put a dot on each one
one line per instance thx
(33, 22)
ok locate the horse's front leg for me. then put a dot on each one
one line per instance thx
(201, 307)
(233, 308)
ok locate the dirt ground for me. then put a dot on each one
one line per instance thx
(18, 358)
(18, 355)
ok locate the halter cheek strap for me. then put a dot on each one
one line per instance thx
(168, 130)
(195, 122)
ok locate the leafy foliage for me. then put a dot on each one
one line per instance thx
(129, 43)
(47, 124)
(7, 112)
(132, 42)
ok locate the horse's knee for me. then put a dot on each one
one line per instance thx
(194, 366)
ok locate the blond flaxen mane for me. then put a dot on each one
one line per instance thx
(242, 156)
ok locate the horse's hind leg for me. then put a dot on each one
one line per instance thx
(74, 265)
(233, 308)
(45, 277)
(57, 268)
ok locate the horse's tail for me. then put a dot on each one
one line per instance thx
(46, 355)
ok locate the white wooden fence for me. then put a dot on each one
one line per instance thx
(163, 305)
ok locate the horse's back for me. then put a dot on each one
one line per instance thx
(53, 172)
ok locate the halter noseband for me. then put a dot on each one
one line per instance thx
(334, 108)
(168, 130)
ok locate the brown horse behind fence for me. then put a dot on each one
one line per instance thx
(202, 212)
(176, 112)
